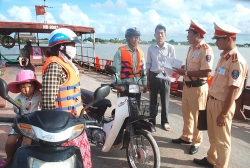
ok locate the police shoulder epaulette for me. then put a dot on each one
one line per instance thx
(234, 58)
(205, 46)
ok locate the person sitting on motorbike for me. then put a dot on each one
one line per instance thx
(61, 79)
(29, 99)
(129, 60)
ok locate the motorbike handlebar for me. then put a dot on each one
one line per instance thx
(91, 122)
(6, 119)
(121, 87)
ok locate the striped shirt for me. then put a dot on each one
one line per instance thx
(53, 77)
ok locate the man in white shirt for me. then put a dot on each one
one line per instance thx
(156, 57)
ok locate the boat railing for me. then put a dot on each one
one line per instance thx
(90, 62)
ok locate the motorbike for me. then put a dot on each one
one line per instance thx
(49, 129)
(128, 127)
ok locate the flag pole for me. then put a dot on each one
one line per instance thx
(44, 13)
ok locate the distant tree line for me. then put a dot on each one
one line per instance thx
(117, 40)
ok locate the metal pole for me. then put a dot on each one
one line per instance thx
(37, 39)
(82, 50)
(18, 39)
(44, 13)
(94, 45)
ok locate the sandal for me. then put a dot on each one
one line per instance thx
(2, 163)
(166, 127)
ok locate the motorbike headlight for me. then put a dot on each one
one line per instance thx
(78, 129)
(134, 89)
(27, 131)
(70, 162)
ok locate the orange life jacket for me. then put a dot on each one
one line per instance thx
(127, 63)
(97, 64)
(209, 80)
(69, 96)
(174, 85)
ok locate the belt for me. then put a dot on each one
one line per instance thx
(195, 83)
(211, 97)
(156, 73)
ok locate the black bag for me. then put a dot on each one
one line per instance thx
(202, 120)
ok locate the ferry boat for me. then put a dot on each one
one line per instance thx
(94, 68)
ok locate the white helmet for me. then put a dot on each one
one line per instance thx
(62, 35)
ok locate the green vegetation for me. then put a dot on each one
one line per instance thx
(116, 40)
(123, 41)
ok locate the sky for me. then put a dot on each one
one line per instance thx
(111, 18)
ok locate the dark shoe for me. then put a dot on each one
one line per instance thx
(203, 162)
(152, 121)
(193, 149)
(180, 141)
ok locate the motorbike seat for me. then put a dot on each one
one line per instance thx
(87, 97)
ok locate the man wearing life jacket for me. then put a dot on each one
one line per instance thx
(129, 60)
(198, 66)
(61, 84)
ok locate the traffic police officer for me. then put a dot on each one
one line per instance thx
(198, 66)
(226, 87)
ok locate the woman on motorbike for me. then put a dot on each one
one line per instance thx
(61, 83)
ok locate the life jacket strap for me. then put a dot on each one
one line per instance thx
(69, 87)
(70, 108)
(74, 97)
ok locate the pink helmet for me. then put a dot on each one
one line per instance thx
(23, 76)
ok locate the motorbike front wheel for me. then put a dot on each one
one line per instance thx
(145, 152)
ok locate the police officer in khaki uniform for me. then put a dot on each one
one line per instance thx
(194, 97)
(226, 87)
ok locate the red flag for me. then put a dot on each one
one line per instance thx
(40, 10)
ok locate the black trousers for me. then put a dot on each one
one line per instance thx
(163, 87)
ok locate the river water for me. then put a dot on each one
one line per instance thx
(107, 51)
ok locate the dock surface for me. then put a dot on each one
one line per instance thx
(172, 155)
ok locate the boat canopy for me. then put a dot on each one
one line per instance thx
(6, 28)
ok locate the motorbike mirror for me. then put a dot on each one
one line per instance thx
(143, 72)
(4, 94)
(3, 89)
(111, 69)
(101, 92)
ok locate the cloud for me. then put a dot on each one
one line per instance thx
(48, 17)
(20, 14)
(3, 18)
(109, 4)
(167, 4)
(134, 12)
(240, 16)
(73, 15)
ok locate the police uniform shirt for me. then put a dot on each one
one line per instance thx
(231, 70)
(199, 58)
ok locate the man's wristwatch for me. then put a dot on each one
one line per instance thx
(224, 115)
(186, 73)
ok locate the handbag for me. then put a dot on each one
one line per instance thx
(202, 120)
